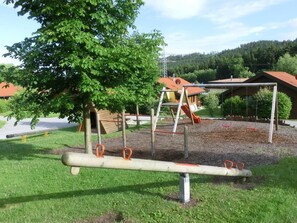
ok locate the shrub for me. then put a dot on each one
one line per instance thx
(211, 102)
(264, 100)
(233, 106)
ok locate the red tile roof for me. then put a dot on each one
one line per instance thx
(7, 90)
(176, 83)
(283, 76)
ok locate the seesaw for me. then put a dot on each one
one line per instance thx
(77, 160)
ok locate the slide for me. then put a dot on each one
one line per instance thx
(186, 110)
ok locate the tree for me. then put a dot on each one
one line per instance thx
(83, 56)
(190, 77)
(10, 74)
(287, 63)
(205, 75)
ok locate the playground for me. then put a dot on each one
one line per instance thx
(210, 143)
(33, 177)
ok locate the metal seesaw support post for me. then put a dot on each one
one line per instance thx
(184, 187)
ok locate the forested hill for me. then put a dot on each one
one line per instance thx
(243, 61)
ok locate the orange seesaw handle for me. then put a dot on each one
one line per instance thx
(100, 148)
(240, 165)
(228, 164)
(125, 156)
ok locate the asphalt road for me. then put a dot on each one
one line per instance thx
(24, 126)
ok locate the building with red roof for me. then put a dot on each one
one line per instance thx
(286, 83)
(7, 90)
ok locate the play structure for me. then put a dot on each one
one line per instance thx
(273, 116)
(187, 111)
(176, 101)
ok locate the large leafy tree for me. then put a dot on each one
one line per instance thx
(83, 56)
(287, 63)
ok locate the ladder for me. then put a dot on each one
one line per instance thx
(178, 104)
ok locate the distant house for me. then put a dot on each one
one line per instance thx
(225, 81)
(7, 90)
(228, 81)
(286, 83)
(176, 84)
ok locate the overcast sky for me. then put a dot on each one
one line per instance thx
(190, 26)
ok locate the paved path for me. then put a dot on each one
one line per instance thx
(24, 126)
(291, 123)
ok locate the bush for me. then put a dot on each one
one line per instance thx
(3, 106)
(264, 101)
(233, 106)
(211, 102)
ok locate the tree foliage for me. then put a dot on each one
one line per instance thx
(82, 55)
(287, 63)
(244, 61)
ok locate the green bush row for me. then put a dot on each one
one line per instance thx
(258, 105)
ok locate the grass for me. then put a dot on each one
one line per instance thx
(36, 187)
(205, 113)
(2, 123)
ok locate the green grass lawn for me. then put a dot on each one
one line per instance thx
(205, 113)
(36, 187)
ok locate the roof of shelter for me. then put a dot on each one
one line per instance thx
(176, 83)
(229, 80)
(282, 76)
(7, 89)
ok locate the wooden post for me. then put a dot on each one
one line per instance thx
(276, 113)
(24, 138)
(159, 107)
(178, 109)
(152, 133)
(186, 144)
(272, 114)
(137, 115)
(98, 127)
(124, 128)
(87, 126)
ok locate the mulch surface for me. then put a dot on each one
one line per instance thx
(209, 143)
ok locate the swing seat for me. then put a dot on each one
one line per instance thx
(226, 125)
(253, 129)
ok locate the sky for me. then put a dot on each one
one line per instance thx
(188, 26)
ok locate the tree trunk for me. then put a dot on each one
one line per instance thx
(88, 133)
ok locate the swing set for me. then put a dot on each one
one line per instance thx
(250, 117)
(257, 85)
